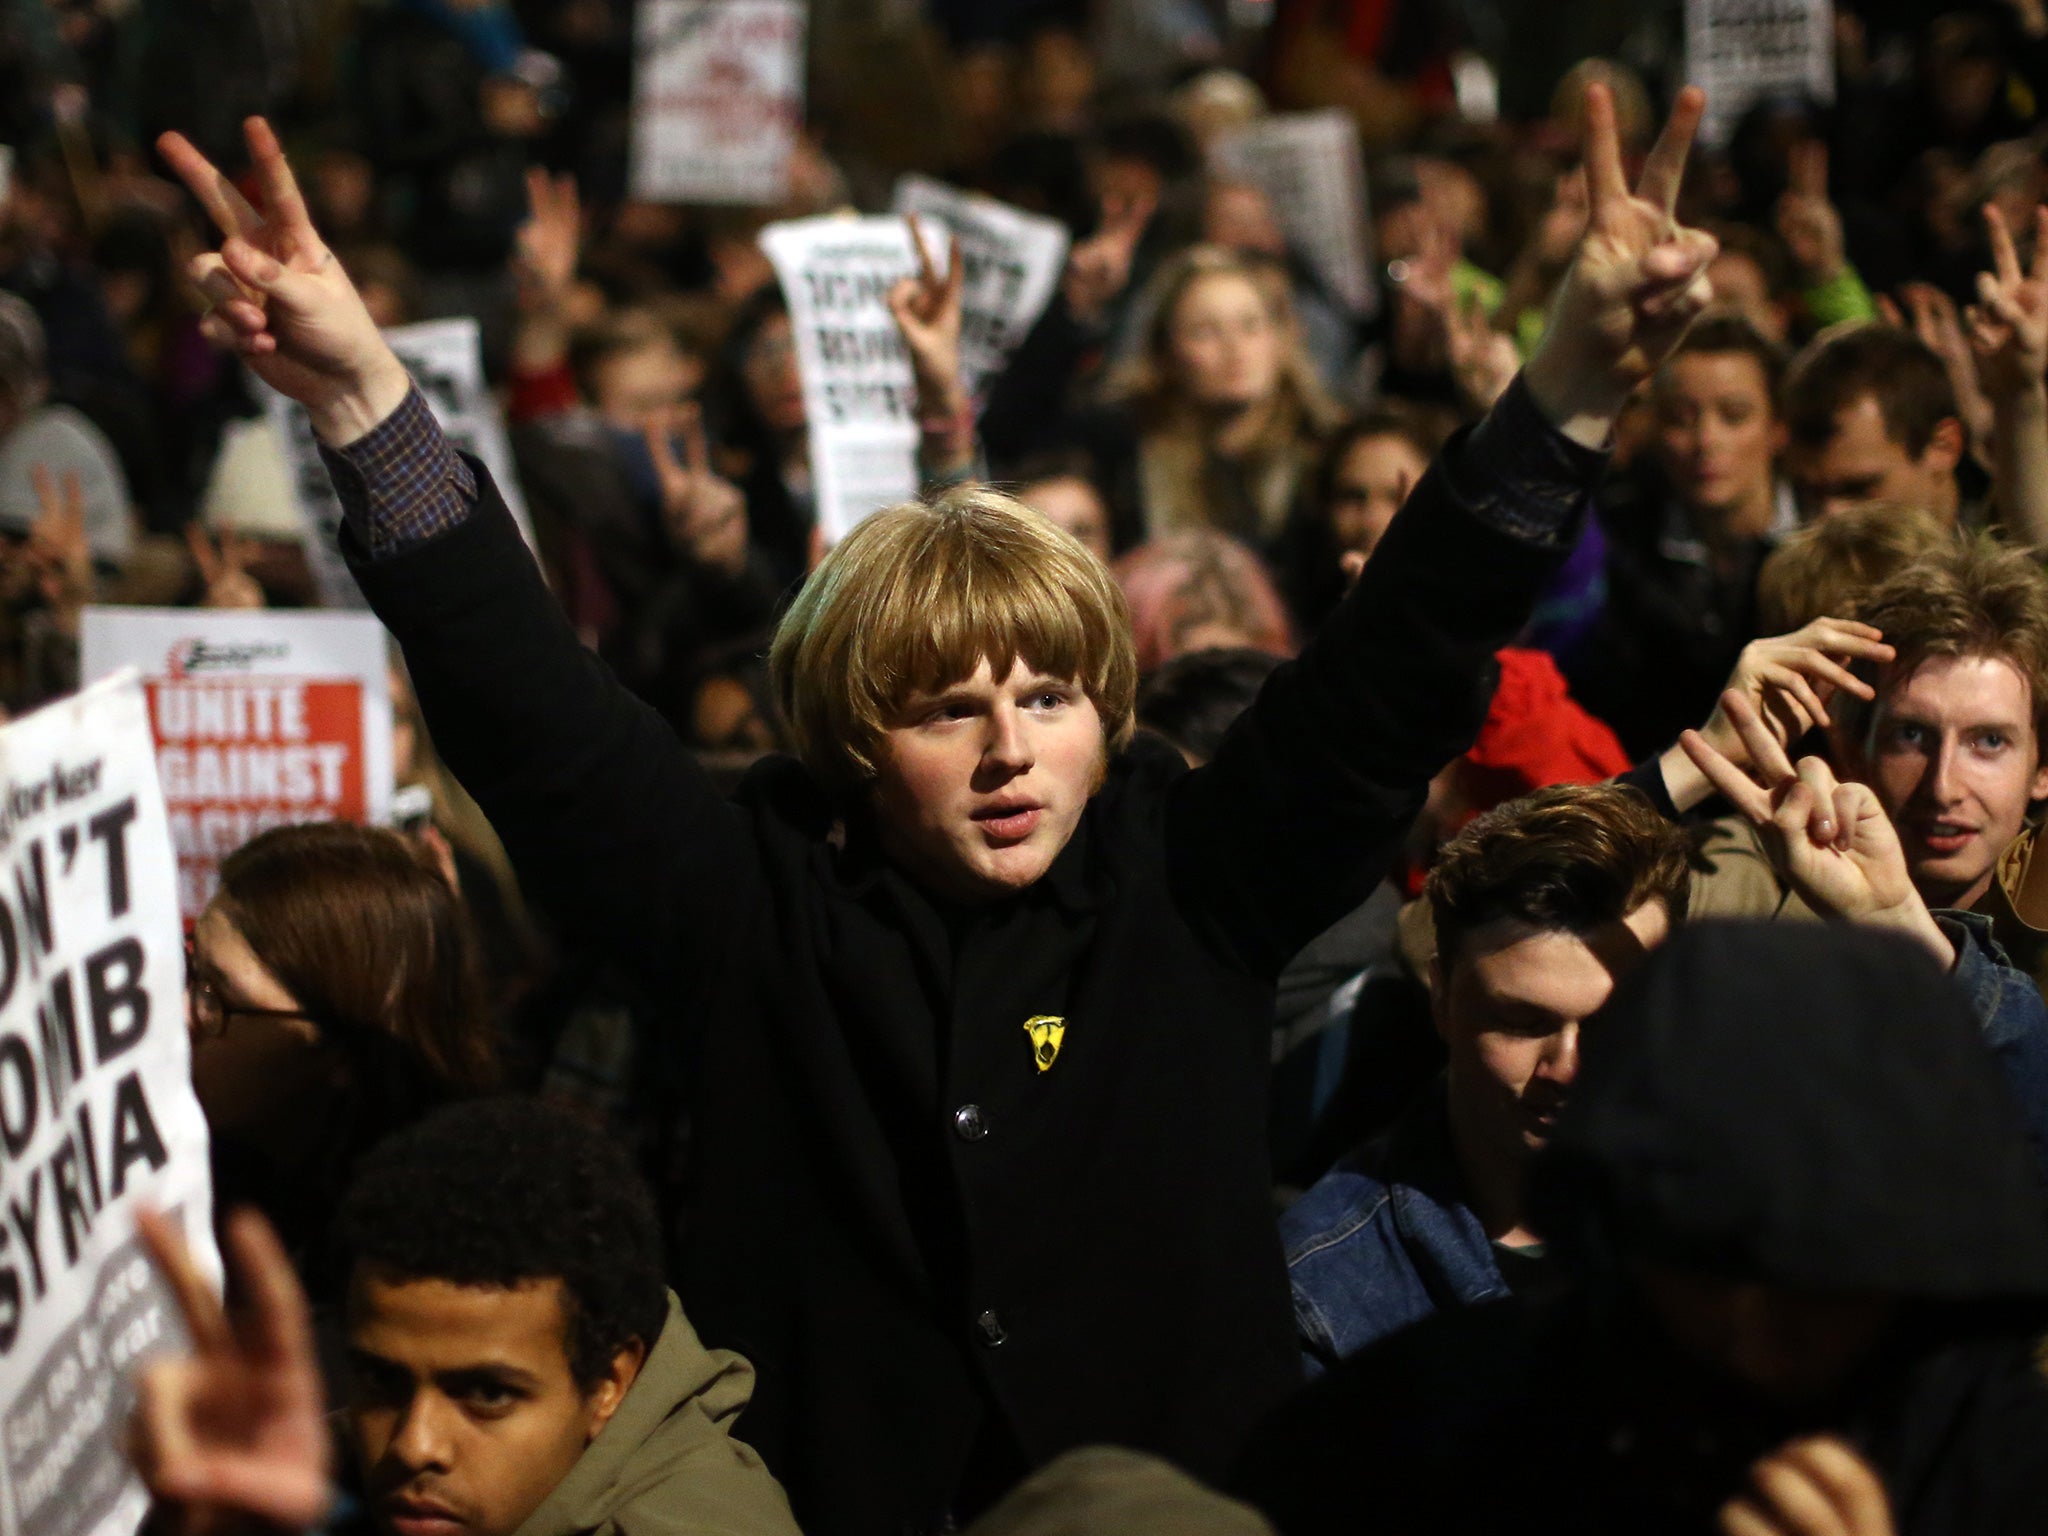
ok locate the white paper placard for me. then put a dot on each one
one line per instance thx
(259, 719)
(97, 1113)
(445, 358)
(1312, 171)
(1741, 51)
(1013, 261)
(859, 395)
(718, 99)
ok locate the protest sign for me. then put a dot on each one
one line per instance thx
(445, 359)
(260, 719)
(718, 97)
(1742, 51)
(1312, 171)
(1012, 260)
(858, 392)
(97, 1113)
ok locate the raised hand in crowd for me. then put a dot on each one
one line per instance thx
(927, 313)
(1813, 1487)
(235, 1427)
(1788, 681)
(1548, 250)
(1099, 268)
(544, 257)
(1637, 282)
(1484, 361)
(57, 549)
(281, 300)
(1831, 842)
(1807, 220)
(2009, 335)
(706, 515)
(1933, 316)
(223, 565)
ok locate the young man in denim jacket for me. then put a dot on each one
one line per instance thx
(1539, 908)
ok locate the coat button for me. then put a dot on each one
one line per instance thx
(991, 1328)
(970, 1123)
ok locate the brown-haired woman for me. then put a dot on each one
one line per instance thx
(336, 995)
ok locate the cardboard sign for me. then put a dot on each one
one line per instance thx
(445, 358)
(259, 719)
(718, 99)
(1312, 171)
(858, 391)
(97, 1113)
(1742, 51)
(1012, 259)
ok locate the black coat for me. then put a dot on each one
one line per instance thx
(946, 1264)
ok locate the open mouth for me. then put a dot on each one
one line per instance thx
(1944, 837)
(1008, 823)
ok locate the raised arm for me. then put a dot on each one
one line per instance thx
(1305, 803)
(609, 822)
(2009, 334)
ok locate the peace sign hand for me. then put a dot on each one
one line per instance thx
(281, 300)
(1099, 268)
(1636, 283)
(545, 250)
(1831, 842)
(58, 547)
(927, 312)
(1808, 222)
(2009, 323)
(706, 515)
(235, 1426)
(224, 569)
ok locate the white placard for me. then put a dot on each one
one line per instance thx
(1312, 171)
(259, 719)
(718, 99)
(859, 395)
(97, 1113)
(1013, 261)
(445, 358)
(1741, 51)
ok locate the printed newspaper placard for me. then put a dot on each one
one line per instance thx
(445, 358)
(1742, 51)
(260, 720)
(718, 99)
(97, 1113)
(1013, 261)
(858, 391)
(1311, 169)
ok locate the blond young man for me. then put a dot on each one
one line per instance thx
(980, 995)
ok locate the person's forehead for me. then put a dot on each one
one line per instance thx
(1212, 291)
(1384, 455)
(1961, 691)
(1713, 373)
(432, 1327)
(1512, 960)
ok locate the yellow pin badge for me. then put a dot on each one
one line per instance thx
(1046, 1033)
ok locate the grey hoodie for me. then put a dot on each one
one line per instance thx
(667, 1461)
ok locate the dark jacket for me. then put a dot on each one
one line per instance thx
(946, 1264)
(1697, 1141)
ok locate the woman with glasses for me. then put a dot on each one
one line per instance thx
(335, 996)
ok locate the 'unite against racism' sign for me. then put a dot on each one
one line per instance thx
(261, 719)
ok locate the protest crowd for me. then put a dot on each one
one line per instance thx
(1153, 766)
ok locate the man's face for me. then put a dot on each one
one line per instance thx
(1862, 463)
(464, 1411)
(1952, 755)
(980, 785)
(1510, 1009)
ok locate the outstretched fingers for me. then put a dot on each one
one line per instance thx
(1737, 787)
(224, 204)
(1606, 182)
(1664, 169)
(204, 1317)
(274, 174)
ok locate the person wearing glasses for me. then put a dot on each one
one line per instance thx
(335, 996)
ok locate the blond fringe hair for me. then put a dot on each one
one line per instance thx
(917, 597)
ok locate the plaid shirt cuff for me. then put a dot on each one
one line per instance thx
(401, 483)
(1522, 476)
